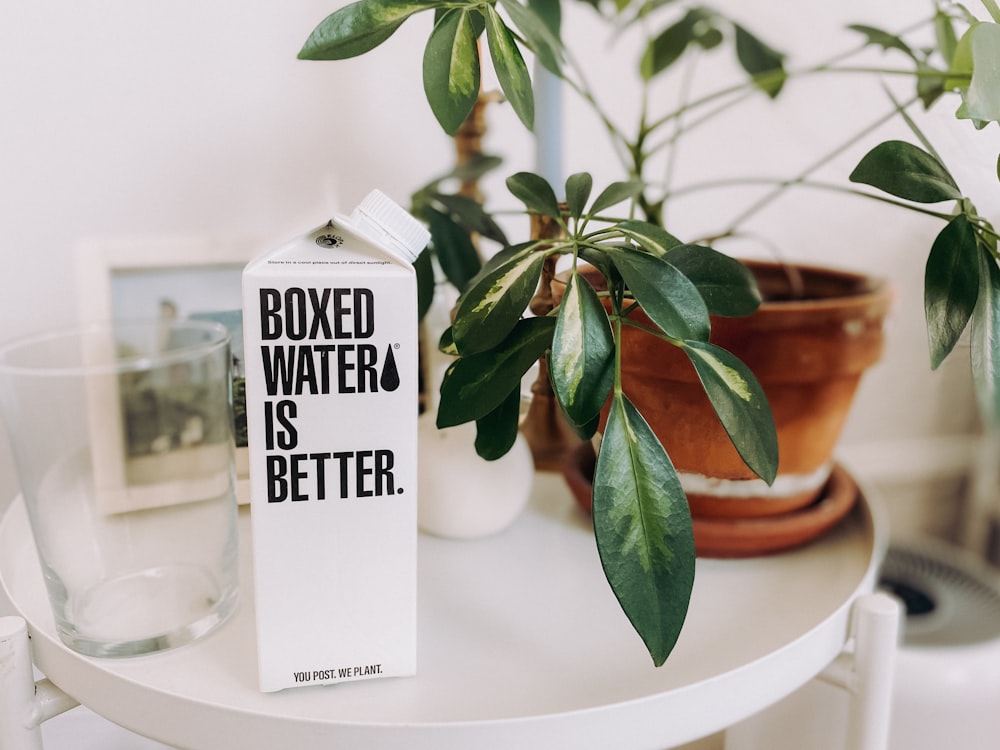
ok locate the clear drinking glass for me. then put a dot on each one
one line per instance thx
(122, 435)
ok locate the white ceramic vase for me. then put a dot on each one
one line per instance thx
(462, 496)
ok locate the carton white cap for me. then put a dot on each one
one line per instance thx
(410, 236)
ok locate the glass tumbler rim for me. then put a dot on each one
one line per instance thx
(217, 336)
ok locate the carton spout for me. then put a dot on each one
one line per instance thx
(380, 214)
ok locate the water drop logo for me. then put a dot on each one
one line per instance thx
(389, 381)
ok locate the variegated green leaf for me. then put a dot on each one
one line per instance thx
(741, 405)
(581, 367)
(651, 237)
(951, 286)
(360, 27)
(986, 341)
(446, 344)
(451, 69)
(665, 294)
(643, 529)
(515, 82)
(978, 55)
(475, 385)
(538, 31)
(494, 302)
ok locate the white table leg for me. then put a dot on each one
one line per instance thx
(24, 705)
(865, 670)
(848, 704)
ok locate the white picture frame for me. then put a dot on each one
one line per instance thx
(192, 277)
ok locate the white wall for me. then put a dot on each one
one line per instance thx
(126, 118)
(185, 118)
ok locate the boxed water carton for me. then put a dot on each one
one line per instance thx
(330, 328)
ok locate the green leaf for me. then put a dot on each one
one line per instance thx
(651, 237)
(581, 366)
(906, 171)
(446, 344)
(510, 68)
(475, 385)
(740, 404)
(879, 38)
(978, 53)
(763, 63)
(476, 167)
(667, 47)
(550, 14)
(727, 286)
(471, 215)
(495, 300)
(944, 33)
(614, 194)
(930, 84)
(541, 37)
(951, 286)
(986, 341)
(578, 187)
(643, 529)
(598, 258)
(665, 294)
(453, 246)
(497, 432)
(360, 27)
(451, 69)
(962, 63)
(424, 269)
(535, 192)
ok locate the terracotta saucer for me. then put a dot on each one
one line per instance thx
(741, 537)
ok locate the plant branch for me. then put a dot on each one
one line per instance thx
(773, 195)
(746, 89)
(687, 83)
(992, 9)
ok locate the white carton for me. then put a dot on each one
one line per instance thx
(330, 333)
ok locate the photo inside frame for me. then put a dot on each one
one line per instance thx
(159, 436)
(167, 278)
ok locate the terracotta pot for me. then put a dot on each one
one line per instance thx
(737, 537)
(809, 354)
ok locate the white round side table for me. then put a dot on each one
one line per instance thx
(521, 644)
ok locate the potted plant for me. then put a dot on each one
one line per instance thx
(651, 281)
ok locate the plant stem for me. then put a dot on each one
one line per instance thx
(687, 82)
(584, 91)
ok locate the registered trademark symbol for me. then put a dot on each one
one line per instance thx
(395, 346)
